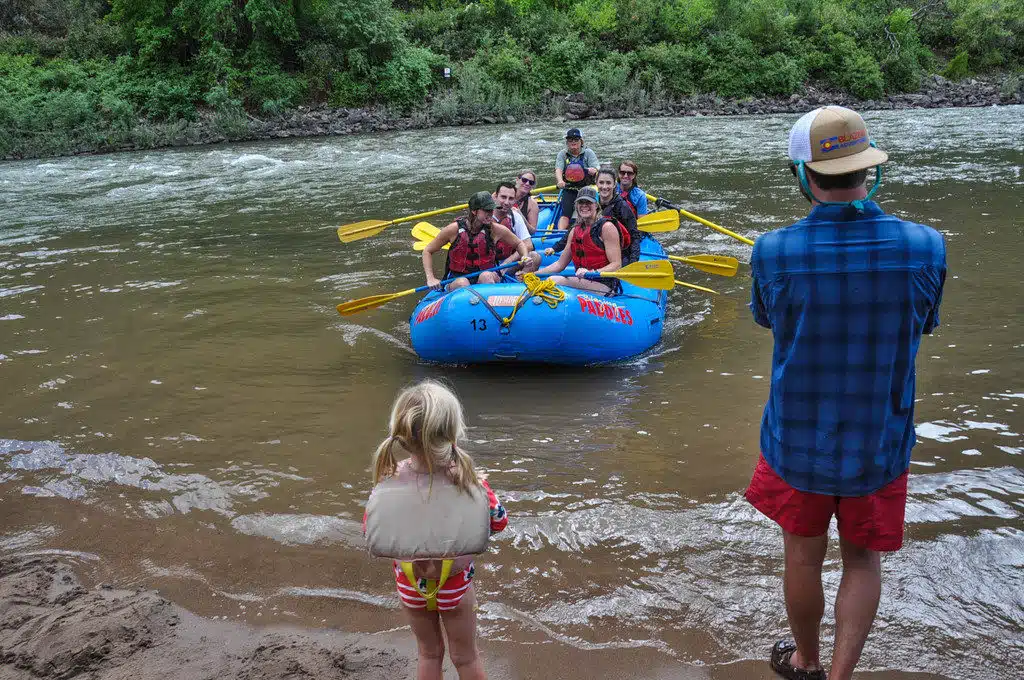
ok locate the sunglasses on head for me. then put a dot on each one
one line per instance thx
(531, 182)
(628, 173)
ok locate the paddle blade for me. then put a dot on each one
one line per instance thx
(361, 230)
(695, 287)
(420, 245)
(712, 264)
(362, 304)
(655, 274)
(424, 231)
(666, 220)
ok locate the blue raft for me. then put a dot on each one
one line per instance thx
(470, 325)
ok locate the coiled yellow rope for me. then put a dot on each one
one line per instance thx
(545, 289)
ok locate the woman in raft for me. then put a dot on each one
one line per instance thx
(432, 507)
(611, 205)
(595, 244)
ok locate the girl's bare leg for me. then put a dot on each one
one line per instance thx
(460, 625)
(426, 626)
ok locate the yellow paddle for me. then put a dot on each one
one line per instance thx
(656, 274)
(425, 232)
(666, 220)
(696, 287)
(712, 264)
(701, 220)
(372, 301)
(360, 230)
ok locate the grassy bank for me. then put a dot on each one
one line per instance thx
(77, 75)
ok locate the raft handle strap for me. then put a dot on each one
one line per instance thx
(486, 304)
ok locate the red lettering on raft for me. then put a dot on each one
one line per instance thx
(605, 310)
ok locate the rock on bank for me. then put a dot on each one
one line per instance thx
(52, 627)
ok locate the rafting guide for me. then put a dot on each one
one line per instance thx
(431, 513)
(847, 293)
(576, 166)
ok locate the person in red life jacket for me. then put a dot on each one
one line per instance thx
(575, 167)
(615, 207)
(596, 244)
(472, 240)
(635, 197)
(506, 214)
(524, 202)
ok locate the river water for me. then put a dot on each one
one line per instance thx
(183, 409)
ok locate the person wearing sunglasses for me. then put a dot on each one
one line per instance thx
(575, 167)
(525, 203)
(635, 197)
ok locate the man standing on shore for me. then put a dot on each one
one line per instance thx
(847, 293)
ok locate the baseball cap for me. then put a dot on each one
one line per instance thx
(833, 140)
(481, 200)
(573, 132)
(587, 194)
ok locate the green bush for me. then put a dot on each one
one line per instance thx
(560, 64)
(839, 61)
(685, 21)
(957, 68)
(680, 67)
(406, 79)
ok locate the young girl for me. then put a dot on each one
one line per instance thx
(427, 422)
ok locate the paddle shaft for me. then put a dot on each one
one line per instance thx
(461, 206)
(701, 220)
(471, 275)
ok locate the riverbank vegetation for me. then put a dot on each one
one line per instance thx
(94, 74)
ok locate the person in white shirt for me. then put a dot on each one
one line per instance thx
(507, 215)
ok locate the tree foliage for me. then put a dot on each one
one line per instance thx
(102, 65)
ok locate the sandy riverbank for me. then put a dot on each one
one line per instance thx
(51, 626)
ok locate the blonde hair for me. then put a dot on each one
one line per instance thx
(427, 421)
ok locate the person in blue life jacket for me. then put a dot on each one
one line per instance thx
(575, 167)
(630, 190)
(473, 240)
(847, 293)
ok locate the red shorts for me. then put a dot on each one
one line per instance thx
(873, 522)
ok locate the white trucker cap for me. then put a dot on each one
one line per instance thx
(833, 140)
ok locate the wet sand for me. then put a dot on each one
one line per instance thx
(56, 627)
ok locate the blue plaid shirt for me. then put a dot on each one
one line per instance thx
(847, 296)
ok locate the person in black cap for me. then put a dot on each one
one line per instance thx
(576, 166)
(473, 247)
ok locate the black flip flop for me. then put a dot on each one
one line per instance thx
(782, 652)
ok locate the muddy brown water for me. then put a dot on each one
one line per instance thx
(182, 408)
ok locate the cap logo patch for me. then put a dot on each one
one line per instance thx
(843, 141)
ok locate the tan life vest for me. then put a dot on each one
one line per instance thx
(412, 517)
